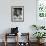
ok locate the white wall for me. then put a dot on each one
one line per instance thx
(29, 15)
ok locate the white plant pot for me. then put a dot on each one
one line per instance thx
(42, 40)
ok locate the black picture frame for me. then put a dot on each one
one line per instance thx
(17, 13)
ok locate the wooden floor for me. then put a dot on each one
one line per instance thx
(13, 44)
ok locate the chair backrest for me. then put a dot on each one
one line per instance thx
(14, 30)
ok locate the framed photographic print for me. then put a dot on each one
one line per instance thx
(17, 13)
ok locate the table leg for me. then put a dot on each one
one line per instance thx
(5, 40)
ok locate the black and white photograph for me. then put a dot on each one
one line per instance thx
(17, 13)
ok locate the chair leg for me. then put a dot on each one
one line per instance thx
(5, 43)
(5, 40)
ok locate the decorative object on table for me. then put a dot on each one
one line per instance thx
(17, 13)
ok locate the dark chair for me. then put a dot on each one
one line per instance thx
(14, 32)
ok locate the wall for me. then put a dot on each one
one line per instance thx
(29, 15)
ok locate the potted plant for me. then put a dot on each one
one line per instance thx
(35, 26)
(39, 35)
(38, 27)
